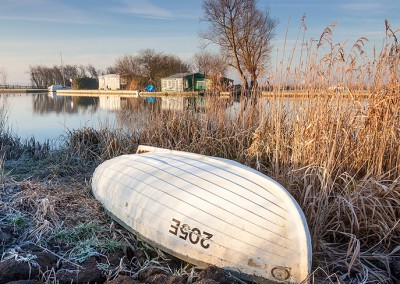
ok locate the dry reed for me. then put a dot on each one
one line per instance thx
(339, 158)
(337, 152)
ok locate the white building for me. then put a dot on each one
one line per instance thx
(111, 82)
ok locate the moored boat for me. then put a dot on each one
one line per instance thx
(208, 210)
(54, 88)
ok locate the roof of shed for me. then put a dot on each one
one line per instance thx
(110, 75)
(180, 75)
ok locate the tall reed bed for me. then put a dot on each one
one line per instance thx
(337, 156)
(337, 152)
(313, 65)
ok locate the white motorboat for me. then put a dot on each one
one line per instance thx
(54, 88)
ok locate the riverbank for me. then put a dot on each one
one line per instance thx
(53, 230)
(292, 94)
(134, 93)
(129, 93)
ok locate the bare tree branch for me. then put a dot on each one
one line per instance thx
(244, 34)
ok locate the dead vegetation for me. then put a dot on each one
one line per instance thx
(339, 155)
(52, 230)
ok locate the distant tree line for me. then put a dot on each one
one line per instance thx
(42, 76)
(146, 67)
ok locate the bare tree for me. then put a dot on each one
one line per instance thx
(93, 72)
(243, 32)
(82, 70)
(156, 65)
(70, 72)
(255, 45)
(213, 65)
(149, 66)
(42, 76)
(126, 65)
(150, 62)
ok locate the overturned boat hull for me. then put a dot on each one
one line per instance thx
(208, 210)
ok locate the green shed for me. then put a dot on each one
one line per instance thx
(181, 82)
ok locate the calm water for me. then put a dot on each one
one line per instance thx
(47, 116)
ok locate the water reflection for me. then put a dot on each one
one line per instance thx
(51, 103)
(183, 103)
(48, 115)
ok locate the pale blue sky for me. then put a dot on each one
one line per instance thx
(97, 31)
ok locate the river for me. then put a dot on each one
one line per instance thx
(47, 117)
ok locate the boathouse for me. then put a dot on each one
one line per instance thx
(181, 82)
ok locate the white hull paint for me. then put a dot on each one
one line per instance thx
(208, 210)
(54, 88)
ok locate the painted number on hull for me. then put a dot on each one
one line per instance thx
(193, 235)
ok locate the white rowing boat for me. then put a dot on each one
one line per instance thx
(208, 210)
